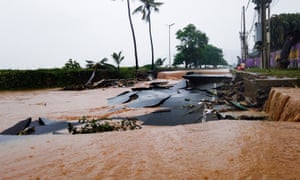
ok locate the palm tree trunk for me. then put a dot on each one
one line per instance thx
(133, 36)
(151, 41)
(91, 78)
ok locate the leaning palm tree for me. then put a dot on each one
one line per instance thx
(102, 62)
(133, 36)
(145, 9)
(95, 65)
(118, 57)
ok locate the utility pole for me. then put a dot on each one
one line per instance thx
(263, 37)
(261, 7)
(170, 25)
(268, 34)
(243, 36)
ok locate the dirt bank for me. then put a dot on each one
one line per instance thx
(56, 104)
(283, 104)
(215, 150)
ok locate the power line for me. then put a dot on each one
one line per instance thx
(248, 5)
(274, 3)
(252, 21)
(252, 25)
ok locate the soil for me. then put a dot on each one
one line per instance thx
(212, 150)
(283, 104)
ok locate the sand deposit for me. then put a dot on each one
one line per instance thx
(213, 150)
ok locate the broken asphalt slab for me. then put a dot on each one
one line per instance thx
(18, 127)
(36, 127)
(180, 106)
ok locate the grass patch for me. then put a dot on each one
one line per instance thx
(292, 73)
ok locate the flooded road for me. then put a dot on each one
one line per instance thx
(212, 150)
(52, 104)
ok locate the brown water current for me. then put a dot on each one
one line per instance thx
(283, 104)
(212, 150)
(53, 104)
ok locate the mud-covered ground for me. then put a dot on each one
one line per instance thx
(213, 150)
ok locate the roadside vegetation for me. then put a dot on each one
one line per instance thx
(73, 74)
(50, 78)
(282, 26)
(292, 73)
(194, 50)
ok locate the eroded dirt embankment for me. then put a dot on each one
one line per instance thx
(283, 104)
(214, 150)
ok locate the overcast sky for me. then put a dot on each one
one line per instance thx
(46, 33)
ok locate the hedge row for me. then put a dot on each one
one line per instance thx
(48, 78)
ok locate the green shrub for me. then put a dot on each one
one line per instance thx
(127, 72)
(49, 78)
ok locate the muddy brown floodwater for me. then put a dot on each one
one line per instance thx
(213, 150)
(56, 104)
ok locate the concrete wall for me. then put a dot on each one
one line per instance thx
(294, 58)
(257, 87)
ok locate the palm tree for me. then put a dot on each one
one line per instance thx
(145, 9)
(95, 65)
(160, 61)
(118, 58)
(133, 36)
(102, 61)
(90, 64)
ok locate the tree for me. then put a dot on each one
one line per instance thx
(145, 9)
(283, 26)
(190, 51)
(97, 65)
(133, 36)
(72, 65)
(213, 56)
(90, 64)
(102, 64)
(118, 58)
(160, 61)
(103, 61)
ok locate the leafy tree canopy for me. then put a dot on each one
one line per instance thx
(194, 49)
(213, 56)
(72, 65)
(190, 37)
(282, 26)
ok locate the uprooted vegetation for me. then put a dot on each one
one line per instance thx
(103, 125)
